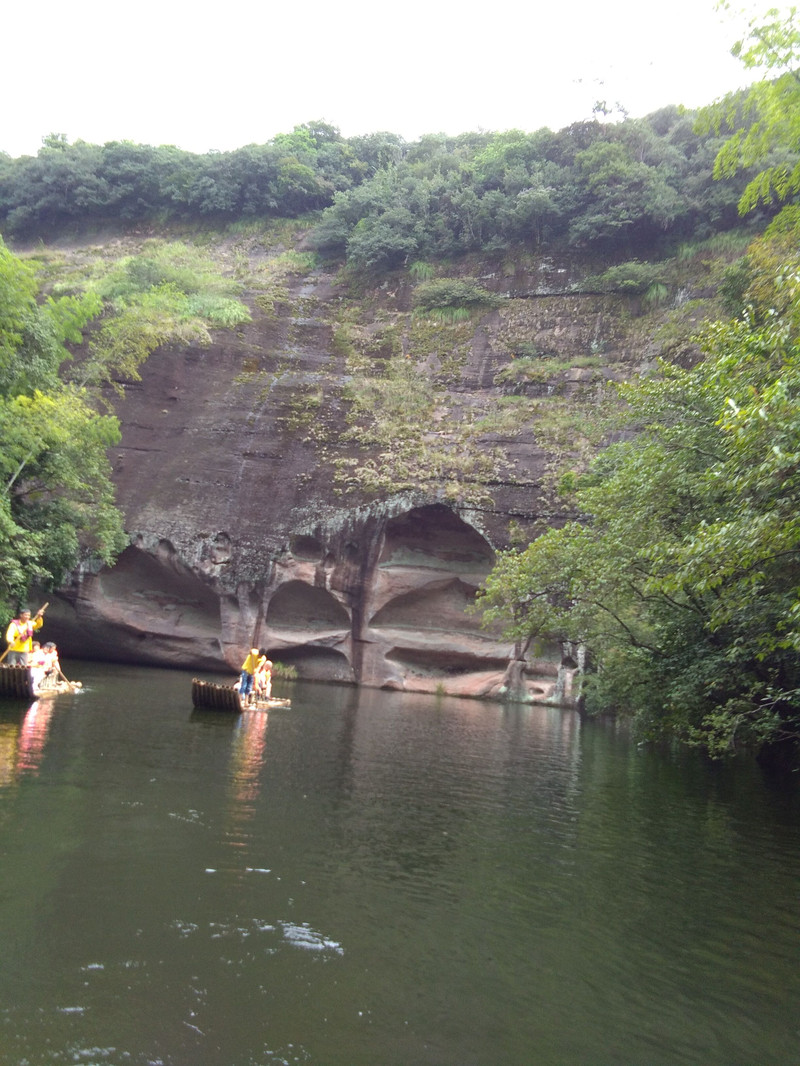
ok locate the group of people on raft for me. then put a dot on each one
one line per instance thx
(255, 682)
(23, 650)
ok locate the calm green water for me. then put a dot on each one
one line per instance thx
(370, 879)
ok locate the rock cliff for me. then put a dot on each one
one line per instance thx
(250, 524)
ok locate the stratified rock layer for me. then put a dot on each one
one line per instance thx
(238, 536)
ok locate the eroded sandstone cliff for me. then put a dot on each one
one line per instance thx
(249, 526)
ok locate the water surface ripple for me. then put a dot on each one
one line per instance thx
(375, 879)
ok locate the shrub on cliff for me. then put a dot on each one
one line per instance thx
(463, 293)
(632, 278)
(168, 293)
(56, 497)
(683, 575)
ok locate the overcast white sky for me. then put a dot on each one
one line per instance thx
(238, 72)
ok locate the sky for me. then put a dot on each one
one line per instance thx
(239, 72)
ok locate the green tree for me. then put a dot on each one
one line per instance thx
(56, 496)
(683, 578)
(169, 293)
(766, 119)
(625, 194)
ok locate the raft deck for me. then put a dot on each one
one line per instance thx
(213, 697)
(16, 682)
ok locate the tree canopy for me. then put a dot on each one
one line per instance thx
(56, 496)
(682, 576)
(614, 187)
(764, 123)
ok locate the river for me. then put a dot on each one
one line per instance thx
(381, 879)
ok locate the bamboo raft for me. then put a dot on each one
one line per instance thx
(16, 682)
(208, 695)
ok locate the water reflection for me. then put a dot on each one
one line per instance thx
(33, 735)
(385, 879)
(247, 759)
(419, 787)
(22, 743)
(9, 734)
(244, 780)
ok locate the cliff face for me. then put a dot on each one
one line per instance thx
(244, 530)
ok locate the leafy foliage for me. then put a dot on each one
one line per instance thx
(166, 294)
(764, 122)
(614, 187)
(684, 575)
(617, 187)
(632, 277)
(56, 497)
(66, 184)
(453, 292)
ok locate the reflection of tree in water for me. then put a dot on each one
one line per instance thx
(9, 731)
(22, 744)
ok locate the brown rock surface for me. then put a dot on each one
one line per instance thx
(238, 535)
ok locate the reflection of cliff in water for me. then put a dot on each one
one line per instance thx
(416, 785)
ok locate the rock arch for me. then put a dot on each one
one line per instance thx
(298, 605)
(434, 537)
(149, 608)
(314, 662)
(440, 604)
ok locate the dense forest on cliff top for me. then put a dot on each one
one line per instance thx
(680, 570)
(629, 188)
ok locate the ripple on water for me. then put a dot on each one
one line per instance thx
(303, 936)
(295, 934)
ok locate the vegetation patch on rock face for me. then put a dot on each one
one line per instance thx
(633, 277)
(56, 496)
(410, 439)
(268, 278)
(156, 293)
(453, 295)
(440, 345)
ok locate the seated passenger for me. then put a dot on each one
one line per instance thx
(263, 680)
(37, 664)
(52, 665)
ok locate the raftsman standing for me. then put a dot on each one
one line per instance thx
(19, 635)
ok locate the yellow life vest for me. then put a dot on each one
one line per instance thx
(251, 663)
(19, 635)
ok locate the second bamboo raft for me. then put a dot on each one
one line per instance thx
(214, 697)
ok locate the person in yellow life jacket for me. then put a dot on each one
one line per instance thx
(249, 668)
(19, 636)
